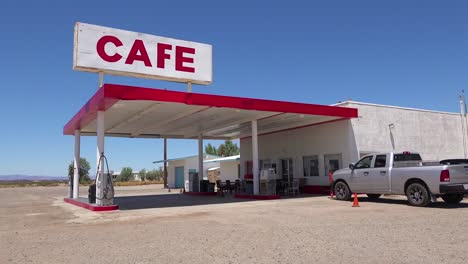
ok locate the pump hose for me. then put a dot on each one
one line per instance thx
(108, 189)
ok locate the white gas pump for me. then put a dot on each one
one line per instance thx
(104, 185)
(268, 181)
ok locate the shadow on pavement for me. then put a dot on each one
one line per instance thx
(178, 199)
(171, 200)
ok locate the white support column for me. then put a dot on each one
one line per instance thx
(200, 159)
(189, 87)
(255, 172)
(100, 79)
(76, 172)
(99, 151)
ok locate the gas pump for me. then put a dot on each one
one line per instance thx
(70, 185)
(104, 186)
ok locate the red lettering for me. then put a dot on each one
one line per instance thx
(101, 45)
(180, 59)
(162, 55)
(138, 52)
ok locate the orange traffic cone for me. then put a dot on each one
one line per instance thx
(355, 202)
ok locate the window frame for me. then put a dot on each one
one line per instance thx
(308, 169)
(375, 161)
(363, 158)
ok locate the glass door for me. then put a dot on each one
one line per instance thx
(287, 170)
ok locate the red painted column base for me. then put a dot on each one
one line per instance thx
(91, 207)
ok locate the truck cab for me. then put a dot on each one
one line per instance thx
(371, 173)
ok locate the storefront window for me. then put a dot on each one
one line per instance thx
(311, 166)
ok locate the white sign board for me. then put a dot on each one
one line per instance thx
(120, 52)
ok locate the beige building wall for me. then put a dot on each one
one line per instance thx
(435, 135)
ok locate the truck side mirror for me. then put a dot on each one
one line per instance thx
(351, 166)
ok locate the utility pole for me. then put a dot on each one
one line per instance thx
(463, 120)
(165, 162)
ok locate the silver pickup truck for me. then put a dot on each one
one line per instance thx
(402, 173)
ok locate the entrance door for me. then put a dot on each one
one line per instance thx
(179, 177)
(332, 163)
(287, 170)
(360, 178)
(378, 174)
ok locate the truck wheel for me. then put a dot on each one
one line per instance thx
(373, 196)
(452, 198)
(418, 195)
(342, 191)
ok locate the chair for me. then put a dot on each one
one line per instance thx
(264, 187)
(294, 188)
(240, 187)
(220, 188)
(284, 187)
(229, 186)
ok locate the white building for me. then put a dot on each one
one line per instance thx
(178, 169)
(229, 167)
(308, 153)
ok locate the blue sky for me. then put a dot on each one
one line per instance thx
(405, 53)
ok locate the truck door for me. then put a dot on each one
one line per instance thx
(379, 174)
(360, 180)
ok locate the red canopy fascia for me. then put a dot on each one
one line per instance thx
(109, 94)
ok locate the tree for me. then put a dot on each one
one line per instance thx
(155, 175)
(126, 174)
(83, 170)
(221, 150)
(142, 174)
(228, 148)
(210, 149)
(150, 175)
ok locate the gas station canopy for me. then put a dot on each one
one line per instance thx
(137, 112)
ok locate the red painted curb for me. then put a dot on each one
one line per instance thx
(257, 197)
(201, 193)
(91, 207)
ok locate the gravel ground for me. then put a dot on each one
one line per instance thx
(36, 226)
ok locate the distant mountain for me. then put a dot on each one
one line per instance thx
(19, 177)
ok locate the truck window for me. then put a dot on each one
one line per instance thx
(380, 161)
(364, 163)
(407, 157)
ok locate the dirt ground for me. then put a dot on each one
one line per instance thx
(36, 226)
